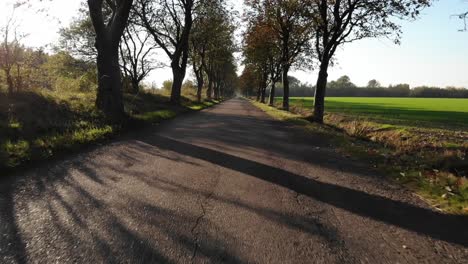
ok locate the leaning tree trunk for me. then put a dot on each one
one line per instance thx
(109, 95)
(272, 94)
(286, 88)
(319, 102)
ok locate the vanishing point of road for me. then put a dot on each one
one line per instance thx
(228, 184)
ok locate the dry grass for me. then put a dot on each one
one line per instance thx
(37, 125)
(431, 161)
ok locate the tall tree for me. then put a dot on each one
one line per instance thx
(343, 21)
(204, 30)
(170, 22)
(259, 51)
(212, 32)
(219, 61)
(291, 22)
(109, 31)
(198, 56)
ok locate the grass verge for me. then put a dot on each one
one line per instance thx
(411, 166)
(35, 126)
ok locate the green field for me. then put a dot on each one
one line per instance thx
(424, 112)
(422, 143)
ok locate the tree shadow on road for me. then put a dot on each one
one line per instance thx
(51, 213)
(72, 217)
(67, 202)
(450, 228)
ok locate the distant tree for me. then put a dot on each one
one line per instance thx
(108, 36)
(258, 49)
(339, 22)
(212, 46)
(297, 88)
(344, 82)
(399, 90)
(374, 84)
(291, 23)
(294, 82)
(208, 22)
(189, 85)
(248, 81)
(198, 50)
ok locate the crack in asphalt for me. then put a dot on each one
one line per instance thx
(327, 232)
(202, 203)
(197, 222)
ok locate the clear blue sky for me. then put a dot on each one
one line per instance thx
(432, 52)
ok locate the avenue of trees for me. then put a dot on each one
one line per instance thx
(117, 44)
(125, 40)
(308, 33)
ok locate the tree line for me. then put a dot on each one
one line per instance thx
(286, 34)
(343, 87)
(119, 36)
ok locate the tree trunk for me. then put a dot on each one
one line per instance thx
(109, 95)
(178, 75)
(259, 92)
(272, 93)
(11, 87)
(319, 102)
(286, 88)
(263, 93)
(135, 86)
(200, 82)
(209, 91)
(216, 91)
(199, 91)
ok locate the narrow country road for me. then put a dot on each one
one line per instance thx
(227, 184)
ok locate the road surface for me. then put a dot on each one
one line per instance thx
(227, 184)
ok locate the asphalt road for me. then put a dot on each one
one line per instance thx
(228, 184)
